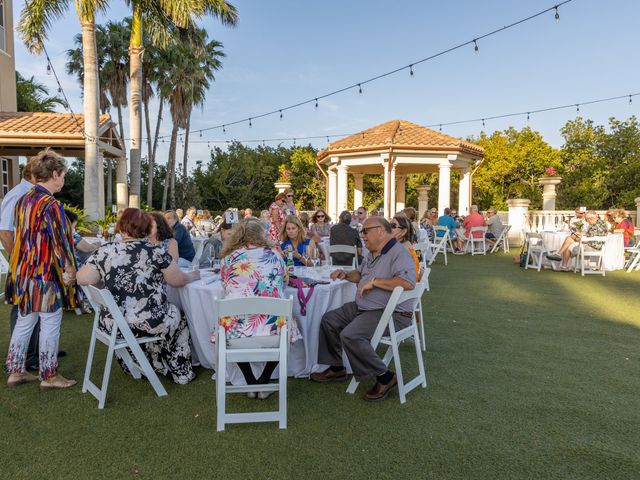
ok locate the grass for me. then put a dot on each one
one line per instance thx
(531, 375)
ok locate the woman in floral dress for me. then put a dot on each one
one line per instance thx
(251, 267)
(276, 210)
(42, 274)
(136, 273)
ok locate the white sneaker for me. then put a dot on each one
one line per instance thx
(252, 394)
(264, 395)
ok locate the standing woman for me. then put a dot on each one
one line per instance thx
(276, 210)
(43, 273)
(294, 240)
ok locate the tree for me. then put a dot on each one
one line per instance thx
(34, 97)
(35, 21)
(162, 19)
(306, 180)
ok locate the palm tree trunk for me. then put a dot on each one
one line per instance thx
(186, 148)
(171, 164)
(109, 199)
(93, 196)
(152, 157)
(145, 103)
(136, 50)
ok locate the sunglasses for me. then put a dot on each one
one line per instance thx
(360, 213)
(319, 216)
(395, 225)
(289, 195)
(366, 230)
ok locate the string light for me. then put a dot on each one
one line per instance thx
(250, 123)
(440, 127)
(224, 130)
(483, 123)
(527, 117)
(396, 70)
(200, 133)
(48, 69)
(316, 103)
(557, 14)
(411, 70)
(577, 108)
(630, 100)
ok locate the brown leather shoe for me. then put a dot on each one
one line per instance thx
(16, 379)
(329, 376)
(57, 382)
(380, 391)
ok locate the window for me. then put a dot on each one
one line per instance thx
(2, 31)
(5, 176)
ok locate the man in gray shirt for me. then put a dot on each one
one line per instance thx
(494, 226)
(350, 327)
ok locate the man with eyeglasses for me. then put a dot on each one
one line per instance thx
(351, 327)
(360, 215)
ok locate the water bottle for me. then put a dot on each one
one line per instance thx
(290, 263)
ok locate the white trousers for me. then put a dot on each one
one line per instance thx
(49, 339)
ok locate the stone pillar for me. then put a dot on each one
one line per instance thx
(392, 191)
(331, 194)
(464, 193)
(282, 186)
(637, 200)
(423, 199)
(401, 191)
(101, 184)
(518, 208)
(385, 200)
(121, 183)
(444, 187)
(358, 190)
(343, 188)
(549, 191)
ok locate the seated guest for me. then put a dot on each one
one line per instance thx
(350, 327)
(162, 235)
(136, 273)
(426, 224)
(402, 230)
(446, 220)
(186, 252)
(412, 215)
(320, 226)
(266, 219)
(595, 228)
(180, 213)
(205, 222)
(248, 213)
(304, 219)
(494, 226)
(189, 220)
(212, 248)
(578, 222)
(294, 242)
(343, 234)
(360, 215)
(474, 219)
(251, 267)
(623, 225)
(82, 248)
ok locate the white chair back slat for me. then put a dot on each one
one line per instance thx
(350, 249)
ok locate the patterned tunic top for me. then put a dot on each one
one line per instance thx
(43, 250)
(274, 230)
(253, 272)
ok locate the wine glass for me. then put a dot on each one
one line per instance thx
(315, 258)
(211, 255)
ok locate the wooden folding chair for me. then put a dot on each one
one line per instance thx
(118, 341)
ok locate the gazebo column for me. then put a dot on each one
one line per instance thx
(358, 189)
(464, 194)
(401, 185)
(392, 191)
(444, 187)
(121, 184)
(343, 188)
(331, 194)
(100, 191)
(423, 199)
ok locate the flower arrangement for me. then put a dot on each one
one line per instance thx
(285, 175)
(550, 172)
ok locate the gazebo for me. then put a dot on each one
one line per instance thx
(396, 149)
(26, 133)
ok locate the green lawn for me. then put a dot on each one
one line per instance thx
(531, 375)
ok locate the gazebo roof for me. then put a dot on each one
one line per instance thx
(399, 134)
(26, 133)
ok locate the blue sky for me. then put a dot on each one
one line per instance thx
(285, 51)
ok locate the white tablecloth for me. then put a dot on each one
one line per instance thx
(613, 249)
(197, 301)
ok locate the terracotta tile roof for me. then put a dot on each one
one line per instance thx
(40, 123)
(398, 134)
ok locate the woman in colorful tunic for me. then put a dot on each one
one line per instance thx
(294, 242)
(251, 267)
(42, 274)
(136, 273)
(276, 210)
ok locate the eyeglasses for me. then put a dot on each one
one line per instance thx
(319, 216)
(360, 213)
(366, 230)
(395, 225)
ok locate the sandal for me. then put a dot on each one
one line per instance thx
(57, 382)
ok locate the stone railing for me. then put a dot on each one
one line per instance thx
(553, 220)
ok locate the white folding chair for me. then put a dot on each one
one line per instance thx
(393, 341)
(344, 249)
(251, 306)
(585, 256)
(424, 249)
(536, 250)
(419, 316)
(118, 345)
(472, 241)
(4, 269)
(502, 239)
(195, 263)
(439, 244)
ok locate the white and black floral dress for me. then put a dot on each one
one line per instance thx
(132, 272)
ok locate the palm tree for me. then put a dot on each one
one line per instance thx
(35, 20)
(162, 17)
(34, 96)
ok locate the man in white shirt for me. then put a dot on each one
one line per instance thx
(189, 220)
(7, 239)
